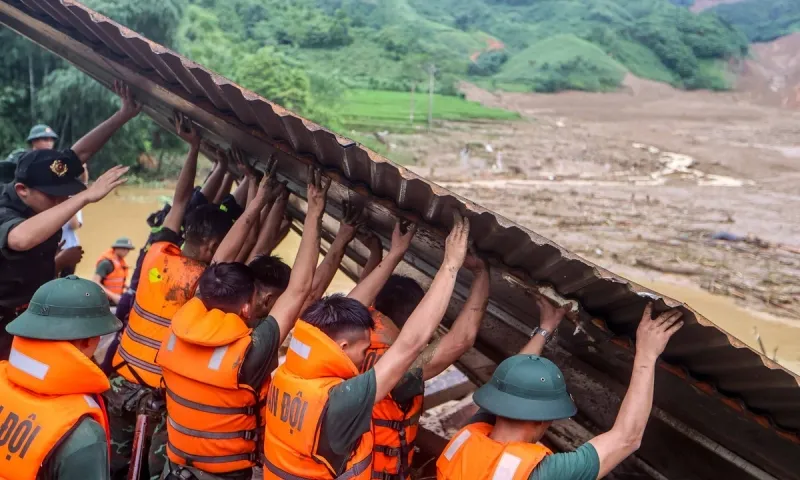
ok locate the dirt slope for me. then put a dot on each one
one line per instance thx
(772, 75)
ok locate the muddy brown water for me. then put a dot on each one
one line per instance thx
(124, 214)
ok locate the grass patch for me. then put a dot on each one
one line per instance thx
(563, 62)
(373, 110)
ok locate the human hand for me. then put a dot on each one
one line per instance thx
(267, 183)
(550, 316)
(371, 241)
(186, 129)
(652, 335)
(69, 257)
(455, 249)
(105, 183)
(474, 264)
(318, 186)
(354, 217)
(402, 241)
(130, 107)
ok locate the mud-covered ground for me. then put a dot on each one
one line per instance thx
(640, 182)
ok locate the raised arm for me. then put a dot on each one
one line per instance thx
(420, 326)
(40, 227)
(367, 290)
(240, 193)
(625, 436)
(93, 141)
(267, 236)
(353, 218)
(373, 244)
(287, 307)
(550, 317)
(231, 245)
(461, 336)
(185, 185)
(213, 183)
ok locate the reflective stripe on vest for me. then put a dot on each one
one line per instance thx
(168, 280)
(352, 472)
(295, 412)
(115, 280)
(33, 419)
(473, 455)
(210, 414)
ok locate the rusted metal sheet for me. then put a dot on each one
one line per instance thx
(714, 394)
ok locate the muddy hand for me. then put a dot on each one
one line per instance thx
(187, 130)
(318, 186)
(402, 241)
(354, 218)
(652, 335)
(457, 242)
(130, 107)
(550, 316)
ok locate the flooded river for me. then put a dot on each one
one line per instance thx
(124, 213)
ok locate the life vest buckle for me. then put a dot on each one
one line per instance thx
(251, 435)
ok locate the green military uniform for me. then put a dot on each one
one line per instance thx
(21, 273)
(71, 309)
(539, 394)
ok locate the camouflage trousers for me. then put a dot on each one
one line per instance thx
(122, 402)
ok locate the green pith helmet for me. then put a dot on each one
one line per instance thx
(7, 170)
(68, 308)
(528, 388)
(41, 131)
(123, 242)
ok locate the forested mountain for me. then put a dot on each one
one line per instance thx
(762, 20)
(307, 54)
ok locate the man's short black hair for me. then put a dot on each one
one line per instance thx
(336, 315)
(399, 298)
(226, 286)
(207, 223)
(270, 271)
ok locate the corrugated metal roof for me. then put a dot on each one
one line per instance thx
(728, 397)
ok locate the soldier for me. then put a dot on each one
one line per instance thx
(45, 195)
(50, 388)
(527, 393)
(319, 406)
(111, 270)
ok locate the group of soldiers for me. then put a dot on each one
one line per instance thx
(193, 388)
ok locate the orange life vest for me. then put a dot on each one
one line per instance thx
(296, 402)
(472, 455)
(168, 281)
(115, 281)
(395, 425)
(211, 417)
(46, 388)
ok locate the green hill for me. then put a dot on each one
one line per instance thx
(762, 20)
(562, 62)
(389, 44)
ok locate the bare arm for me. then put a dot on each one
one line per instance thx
(94, 140)
(242, 193)
(112, 297)
(353, 217)
(185, 185)
(42, 226)
(268, 234)
(287, 307)
(625, 436)
(367, 290)
(461, 337)
(225, 188)
(375, 255)
(423, 321)
(252, 235)
(213, 183)
(231, 245)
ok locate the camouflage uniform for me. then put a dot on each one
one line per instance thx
(122, 402)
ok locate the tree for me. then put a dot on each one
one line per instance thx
(267, 73)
